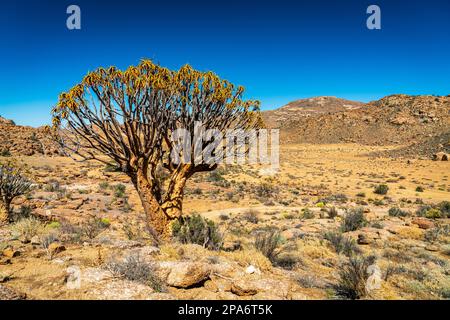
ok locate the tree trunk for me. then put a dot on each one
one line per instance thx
(156, 217)
(4, 212)
(173, 202)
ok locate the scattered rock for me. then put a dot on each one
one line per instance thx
(243, 288)
(251, 269)
(231, 245)
(10, 294)
(432, 247)
(35, 240)
(423, 223)
(440, 156)
(11, 253)
(364, 240)
(55, 248)
(184, 274)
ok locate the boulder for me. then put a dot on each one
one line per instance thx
(11, 253)
(183, 274)
(423, 223)
(243, 288)
(10, 294)
(440, 156)
(55, 248)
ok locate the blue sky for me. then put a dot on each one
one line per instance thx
(279, 50)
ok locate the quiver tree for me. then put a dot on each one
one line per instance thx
(129, 117)
(12, 185)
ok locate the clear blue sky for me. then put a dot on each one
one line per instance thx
(279, 50)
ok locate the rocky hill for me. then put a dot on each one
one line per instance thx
(310, 107)
(420, 124)
(24, 141)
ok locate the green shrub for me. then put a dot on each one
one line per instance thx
(420, 189)
(5, 153)
(268, 243)
(119, 190)
(341, 243)
(198, 230)
(133, 268)
(433, 213)
(94, 226)
(103, 185)
(397, 212)
(381, 189)
(27, 228)
(307, 214)
(266, 190)
(444, 206)
(251, 216)
(353, 277)
(353, 220)
(332, 212)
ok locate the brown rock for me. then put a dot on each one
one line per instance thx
(55, 248)
(440, 156)
(10, 253)
(363, 239)
(9, 294)
(423, 223)
(243, 288)
(184, 274)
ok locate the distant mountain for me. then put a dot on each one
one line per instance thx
(420, 121)
(307, 108)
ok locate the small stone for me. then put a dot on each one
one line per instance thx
(35, 240)
(11, 253)
(423, 223)
(364, 240)
(56, 248)
(432, 248)
(251, 269)
(243, 288)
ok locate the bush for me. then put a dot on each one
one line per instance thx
(353, 220)
(397, 212)
(444, 206)
(307, 214)
(332, 213)
(433, 213)
(12, 185)
(103, 185)
(251, 216)
(266, 190)
(24, 212)
(27, 228)
(267, 243)
(93, 226)
(5, 153)
(436, 233)
(46, 241)
(133, 268)
(420, 189)
(119, 190)
(342, 244)
(287, 261)
(353, 277)
(381, 189)
(198, 230)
